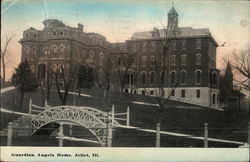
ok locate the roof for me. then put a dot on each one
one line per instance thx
(179, 33)
(172, 11)
(119, 48)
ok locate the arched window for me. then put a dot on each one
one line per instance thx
(198, 59)
(143, 78)
(152, 77)
(119, 60)
(55, 49)
(61, 48)
(214, 78)
(183, 77)
(198, 76)
(172, 77)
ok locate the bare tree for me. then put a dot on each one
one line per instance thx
(241, 65)
(161, 61)
(3, 54)
(68, 77)
(123, 69)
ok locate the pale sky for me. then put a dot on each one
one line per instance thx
(228, 21)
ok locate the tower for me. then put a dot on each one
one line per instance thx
(172, 19)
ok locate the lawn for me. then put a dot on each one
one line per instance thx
(221, 124)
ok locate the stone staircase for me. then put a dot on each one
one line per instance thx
(20, 127)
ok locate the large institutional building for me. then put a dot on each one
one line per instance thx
(180, 60)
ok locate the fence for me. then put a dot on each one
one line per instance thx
(116, 137)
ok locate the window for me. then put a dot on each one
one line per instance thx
(198, 59)
(144, 60)
(61, 33)
(61, 48)
(143, 92)
(143, 78)
(213, 99)
(54, 33)
(184, 44)
(183, 59)
(173, 77)
(152, 60)
(133, 47)
(152, 92)
(174, 45)
(119, 60)
(152, 46)
(152, 77)
(41, 71)
(173, 60)
(198, 43)
(198, 77)
(55, 49)
(126, 90)
(26, 35)
(183, 93)
(214, 78)
(162, 77)
(172, 92)
(101, 58)
(34, 35)
(198, 93)
(144, 46)
(183, 77)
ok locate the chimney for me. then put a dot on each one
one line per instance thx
(80, 27)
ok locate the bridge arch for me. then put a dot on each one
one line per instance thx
(92, 119)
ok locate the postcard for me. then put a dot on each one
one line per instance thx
(132, 80)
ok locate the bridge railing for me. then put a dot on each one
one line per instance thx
(34, 109)
(121, 116)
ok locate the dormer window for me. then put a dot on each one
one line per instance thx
(27, 35)
(61, 33)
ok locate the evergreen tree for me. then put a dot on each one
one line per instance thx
(24, 79)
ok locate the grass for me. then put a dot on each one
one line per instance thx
(222, 125)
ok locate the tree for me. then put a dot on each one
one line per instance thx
(241, 65)
(64, 79)
(24, 79)
(123, 68)
(3, 54)
(85, 78)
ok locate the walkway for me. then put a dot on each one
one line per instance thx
(3, 90)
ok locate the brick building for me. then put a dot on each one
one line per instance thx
(58, 44)
(183, 59)
(189, 70)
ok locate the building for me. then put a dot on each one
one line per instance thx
(58, 44)
(182, 57)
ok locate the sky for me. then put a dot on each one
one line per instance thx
(228, 21)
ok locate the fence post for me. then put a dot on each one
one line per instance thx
(128, 116)
(30, 106)
(9, 134)
(110, 134)
(113, 115)
(249, 134)
(46, 104)
(206, 135)
(158, 138)
(61, 135)
(70, 130)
